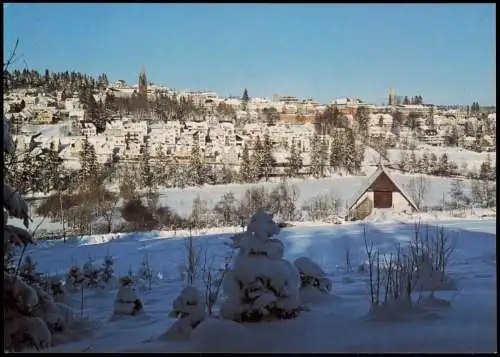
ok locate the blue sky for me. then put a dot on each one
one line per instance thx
(446, 53)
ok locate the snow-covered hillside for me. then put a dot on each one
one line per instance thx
(341, 323)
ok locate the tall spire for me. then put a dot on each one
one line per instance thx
(143, 81)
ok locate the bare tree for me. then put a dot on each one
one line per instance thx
(418, 188)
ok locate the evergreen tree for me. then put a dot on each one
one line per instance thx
(485, 170)
(433, 164)
(360, 156)
(443, 166)
(452, 138)
(403, 161)
(294, 160)
(397, 123)
(256, 161)
(350, 153)
(336, 152)
(225, 175)
(363, 118)
(324, 156)
(413, 163)
(147, 174)
(423, 163)
(268, 161)
(161, 162)
(89, 166)
(195, 168)
(245, 166)
(53, 166)
(315, 158)
(271, 116)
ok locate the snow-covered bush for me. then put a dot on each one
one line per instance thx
(312, 276)
(188, 307)
(75, 278)
(56, 287)
(145, 274)
(91, 274)
(54, 314)
(260, 283)
(28, 271)
(21, 329)
(127, 301)
(106, 272)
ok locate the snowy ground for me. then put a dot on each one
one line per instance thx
(339, 187)
(338, 324)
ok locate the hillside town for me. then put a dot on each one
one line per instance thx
(125, 122)
(222, 134)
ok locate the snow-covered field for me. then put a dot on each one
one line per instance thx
(457, 155)
(339, 323)
(343, 188)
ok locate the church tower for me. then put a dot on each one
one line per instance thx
(392, 97)
(143, 82)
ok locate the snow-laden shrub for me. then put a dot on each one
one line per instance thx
(56, 315)
(260, 283)
(189, 308)
(56, 287)
(75, 278)
(127, 301)
(91, 274)
(145, 275)
(28, 271)
(312, 278)
(106, 272)
(21, 328)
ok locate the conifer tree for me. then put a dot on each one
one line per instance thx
(268, 161)
(423, 163)
(256, 161)
(245, 165)
(195, 168)
(363, 118)
(294, 160)
(444, 166)
(350, 152)
(323, 154)
(412, 164)
(334, 160)
(433, 164)
(147, 175)
(315, 159)
(89, 165)
(161, 166)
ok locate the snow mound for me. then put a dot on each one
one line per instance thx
(189, 307)
(127, 301)
(214, 335)
(312, 277)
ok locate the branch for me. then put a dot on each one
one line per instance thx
(12, 56)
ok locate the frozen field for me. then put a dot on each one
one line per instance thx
(337, 324)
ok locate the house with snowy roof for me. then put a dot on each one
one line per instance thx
(380, 191)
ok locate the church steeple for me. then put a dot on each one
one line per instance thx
(143, 82)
